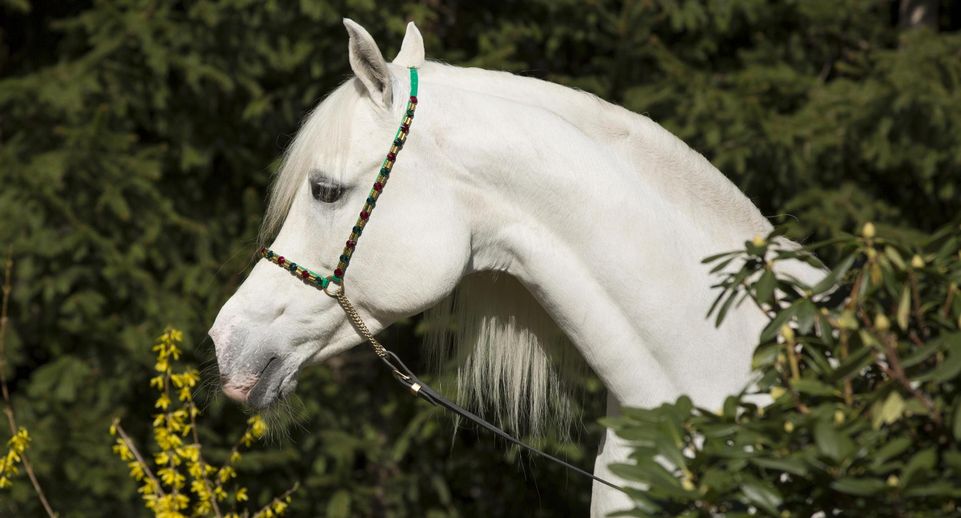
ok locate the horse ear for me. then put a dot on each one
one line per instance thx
(412, 49)
(368, 64)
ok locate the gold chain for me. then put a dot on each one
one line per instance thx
(359, 324)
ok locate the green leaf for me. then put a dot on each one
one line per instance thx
(904, 308)
(339, 505)
(854, 363)
(646, 471)
(892, 448)
(831, 279)
(715, 257)
(858, 486)
(762, 494)
(939, 488)
(806, 313)
(787, 465)
(949, 368)
(831, 442)
(724, 307)
(771, 330)
(918, 467)
(895, 257)
(891, 410)
(764, 288)
(813, 387)
(920, 354)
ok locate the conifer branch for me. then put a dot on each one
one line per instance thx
(8, 406)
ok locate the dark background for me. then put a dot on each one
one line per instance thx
(137, 139)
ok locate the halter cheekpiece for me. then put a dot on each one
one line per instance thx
(311, 277)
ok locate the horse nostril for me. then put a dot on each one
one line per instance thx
(271, 360)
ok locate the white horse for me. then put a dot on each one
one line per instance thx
(560, 219)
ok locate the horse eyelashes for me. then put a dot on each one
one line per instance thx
(326, 191)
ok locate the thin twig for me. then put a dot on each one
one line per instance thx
(896, 372)
(946, 308)
(916, 303)
(136, 453)
(200, 460)
(8, 409)
(283, 496)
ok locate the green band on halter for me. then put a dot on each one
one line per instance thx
(397, 144)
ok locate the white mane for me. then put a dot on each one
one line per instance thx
(326, 128)
(512, 359)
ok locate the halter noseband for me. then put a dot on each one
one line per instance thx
(400, 371)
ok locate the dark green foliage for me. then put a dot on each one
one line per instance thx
(866, 390)
(137, 138)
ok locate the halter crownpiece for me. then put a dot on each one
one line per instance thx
(403, 374)
(313, 278)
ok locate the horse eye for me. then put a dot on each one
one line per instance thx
(326, 190)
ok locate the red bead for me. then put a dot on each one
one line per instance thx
(305, 274)
(364, 214)
(378, 186)
(338, 273)
(413, 99)
(405, 127)
(281, 260)
(391, 156)
(351, 244)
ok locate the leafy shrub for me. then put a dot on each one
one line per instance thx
(862, 372)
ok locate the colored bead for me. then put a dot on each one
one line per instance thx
(410, 113)
(391, 156)
(281, 260)
(292, 267)
(378, 186)
(371, 201)
(345, 259)
(398, 142)
(357, 230)
(270, 254)
(413, 99)
(364, 214)
(385, 171)
(351, 244)
(405, 127)
(305, 274)
(338, 272)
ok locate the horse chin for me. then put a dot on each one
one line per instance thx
(273, 387)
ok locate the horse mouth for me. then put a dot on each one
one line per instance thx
(276, 380)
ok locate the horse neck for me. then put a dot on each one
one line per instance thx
(605, 236)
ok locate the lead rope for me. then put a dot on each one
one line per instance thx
(336, 282)
(423, 391)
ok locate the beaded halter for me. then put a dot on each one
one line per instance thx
(315, 279)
